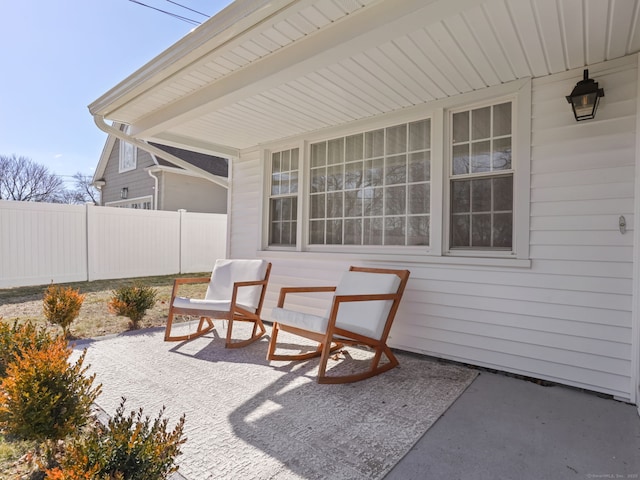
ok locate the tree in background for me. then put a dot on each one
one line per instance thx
(23, 179)
(83, 190)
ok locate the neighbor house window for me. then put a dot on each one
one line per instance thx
(283, 201)
(481, 178)
(372, 188)
(127, 157)
(141, 203)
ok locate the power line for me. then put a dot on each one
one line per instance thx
(187, 8)
(179, 17)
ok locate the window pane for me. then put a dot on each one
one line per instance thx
(353, 203)
(353, 231)
(372, 233)
(420, 135)
(373, 173)
(460, 230)
(461, 159)
(316, 232)
(460, 127)
(285, 161)
(319, 154)
(275, 163)
(502, 230)
(284, 183)
(275, 184)
(394, 230)
(294, 159)
(293, 182)
(419, 198)
(481, 123)
(334, 205)
(276, 209)
(286, 208)
(481, 195)
(395, 200)
(502, 154)
(275, 233)
(460, 196)
(396, 139)
(481, 157)
(318, 180)
(335, 178)
(418, 231)
(372, 201)
(353, 175)
(419, 167)
(335, 151)
(374, 144)
(502, 119)
(317, 206)
(396, 170)
(481, 230)
(354, 147)
(334, 232)
(503, 193)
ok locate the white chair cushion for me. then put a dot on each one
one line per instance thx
(209, 305)
(227, 272)
(365, 318)
(306, 321)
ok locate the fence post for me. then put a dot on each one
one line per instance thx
(87, 239)
(181, 211)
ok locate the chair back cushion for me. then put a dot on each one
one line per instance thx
(366, 318)
(227, 272)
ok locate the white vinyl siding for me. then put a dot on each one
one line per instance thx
(567, 318)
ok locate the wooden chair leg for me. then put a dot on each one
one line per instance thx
(201, 330)
(257, 323)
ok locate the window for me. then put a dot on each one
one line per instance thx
(481, 178)
(283, 201)
(128, 155)
(142, 203)
(372, 188)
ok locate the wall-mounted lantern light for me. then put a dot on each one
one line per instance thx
(124, 193)
(585, 97)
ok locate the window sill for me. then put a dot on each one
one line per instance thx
(502, 262)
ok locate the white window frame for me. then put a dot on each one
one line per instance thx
(128, 157)
(438, 252)
(131, 201)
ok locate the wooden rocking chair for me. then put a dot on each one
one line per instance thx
(362, 311)
(235, 293)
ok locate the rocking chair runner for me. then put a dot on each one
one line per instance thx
(363, 308)
(235, 293)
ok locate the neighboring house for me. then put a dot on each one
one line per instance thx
(435, 136)
(131, 177)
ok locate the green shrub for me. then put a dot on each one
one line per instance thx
(132, 301)
(62, 306)
(132, 448)
(17, 338)
(44, 397)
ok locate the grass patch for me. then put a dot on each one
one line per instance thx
(95, 320)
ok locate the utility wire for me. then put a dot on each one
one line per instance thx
(179, 17)
(187, 8)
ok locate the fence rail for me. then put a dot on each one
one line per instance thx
(42, 243)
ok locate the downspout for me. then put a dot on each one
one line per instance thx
(105, 127)
(155, 189)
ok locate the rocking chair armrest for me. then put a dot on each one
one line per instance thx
(286, 290)
(365, 297)
(183, 281)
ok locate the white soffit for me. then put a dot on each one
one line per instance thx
(315, 64)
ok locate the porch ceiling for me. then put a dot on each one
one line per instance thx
(261, 71)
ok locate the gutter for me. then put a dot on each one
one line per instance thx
(105, 127)
(155, 189)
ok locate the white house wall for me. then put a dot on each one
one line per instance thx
(565, 319)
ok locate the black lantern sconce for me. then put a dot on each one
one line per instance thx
(124, 193)
(584, 98)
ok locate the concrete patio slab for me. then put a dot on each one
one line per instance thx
(508, 428)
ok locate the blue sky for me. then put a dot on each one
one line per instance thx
(58, 57)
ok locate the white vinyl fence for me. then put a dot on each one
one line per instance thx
(42, 243)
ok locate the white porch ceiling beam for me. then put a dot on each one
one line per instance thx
(195, 145)
(373, 25)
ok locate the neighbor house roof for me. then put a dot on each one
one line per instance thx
(263, 71)
(215, 165)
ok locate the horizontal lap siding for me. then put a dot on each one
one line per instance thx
(568, 317)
